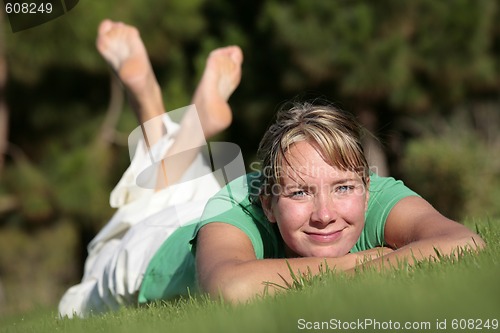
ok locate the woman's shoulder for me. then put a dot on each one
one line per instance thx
(237, 195)
(385, 192)
(237, 204)
(386, 183)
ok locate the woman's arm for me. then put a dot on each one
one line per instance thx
(227, 266)
(415, 230)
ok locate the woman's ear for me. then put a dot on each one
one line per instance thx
(266, 203)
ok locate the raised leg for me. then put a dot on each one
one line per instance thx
(122, 47)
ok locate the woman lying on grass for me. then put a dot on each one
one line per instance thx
(313, 202)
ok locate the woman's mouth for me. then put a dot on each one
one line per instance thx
(325, 237)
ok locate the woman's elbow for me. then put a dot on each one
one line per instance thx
(469, 241)
(475, 242)
(463, 238)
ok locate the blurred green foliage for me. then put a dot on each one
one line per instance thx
(455, 165)
(412, 66)
(36, 267)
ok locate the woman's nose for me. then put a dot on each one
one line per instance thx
(324, 210)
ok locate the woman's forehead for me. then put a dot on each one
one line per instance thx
(304, 161)
(307, 175)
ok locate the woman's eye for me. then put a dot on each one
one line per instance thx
(345, 189)
(298, 194)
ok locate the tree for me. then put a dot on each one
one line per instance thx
(388, 58)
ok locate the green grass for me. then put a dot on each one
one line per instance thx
(452, 290)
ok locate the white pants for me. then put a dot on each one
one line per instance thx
(118, 256)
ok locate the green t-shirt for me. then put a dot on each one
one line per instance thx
(171, 271)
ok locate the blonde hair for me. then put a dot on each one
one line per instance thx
(333, 131)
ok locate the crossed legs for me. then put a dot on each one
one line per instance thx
(121, 251)
(121, 46)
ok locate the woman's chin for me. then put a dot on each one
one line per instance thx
(326, 252)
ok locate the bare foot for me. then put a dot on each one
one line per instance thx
(121, 46)
(221, 77)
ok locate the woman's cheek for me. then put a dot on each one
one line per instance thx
(293, 214)
(354, 209)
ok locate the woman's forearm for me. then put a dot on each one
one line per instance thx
(432, 248)
(240, 281)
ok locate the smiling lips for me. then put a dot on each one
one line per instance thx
(324, 237)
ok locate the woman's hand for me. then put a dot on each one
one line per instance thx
(372, 254)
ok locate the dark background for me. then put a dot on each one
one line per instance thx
(423, 76)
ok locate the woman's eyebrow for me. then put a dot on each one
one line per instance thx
(345, 180)
(296, 185)
(304, 186)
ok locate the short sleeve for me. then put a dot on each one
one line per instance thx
(232, 205)
(385, 193)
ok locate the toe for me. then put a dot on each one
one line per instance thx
(105, 26)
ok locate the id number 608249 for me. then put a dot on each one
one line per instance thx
(28, 8)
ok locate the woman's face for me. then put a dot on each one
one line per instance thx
(319, 209)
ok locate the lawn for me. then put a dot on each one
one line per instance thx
(459, 295)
